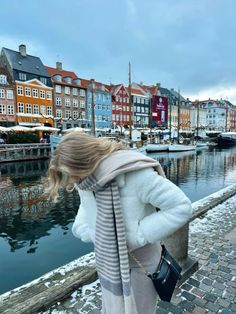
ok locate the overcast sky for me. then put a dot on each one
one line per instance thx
(185, 44)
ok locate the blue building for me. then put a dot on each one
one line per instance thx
(102, 105)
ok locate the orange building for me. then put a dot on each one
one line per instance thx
(34, 103)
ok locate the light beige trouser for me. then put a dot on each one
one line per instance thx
(144, 292)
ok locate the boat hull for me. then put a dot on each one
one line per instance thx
(181, 148)
(154, 148)
(226, 142)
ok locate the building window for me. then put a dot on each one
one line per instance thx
(10, 110)
(19, 90)
(49, 110)
(75, 91)
(36, 109)
(42, 94)
(68, 114)
(20, 107)
(75, 103)
(27, 92)
(35, 93)
(2, 109)
(67, 102)
(42, 109)
(2, 93)
(28, 108)
(82, 104)
(59, 113)
(58, 88)
(58, 101)
(75, 114)
(49, 95)
(3, 79)
(22, 76)
(82, 92)
(67, 90)
(43, 80)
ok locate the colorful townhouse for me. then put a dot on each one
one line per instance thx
(120, 106)
(33, 87)
(69, 98)
(7, 99)
(141, 108)
(198, 120)
(99, 96)
(217, 115)
(158, 105)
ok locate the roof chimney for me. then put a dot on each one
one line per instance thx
(158, 84)
(59, 65)
(22, 50)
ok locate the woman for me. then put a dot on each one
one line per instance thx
(119, 192)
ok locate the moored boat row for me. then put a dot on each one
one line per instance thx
(151, 148)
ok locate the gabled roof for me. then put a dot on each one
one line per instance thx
(137, 92)
(98, 85)
(151, 89)
(114, 89)
(63, 73)
(28, 64)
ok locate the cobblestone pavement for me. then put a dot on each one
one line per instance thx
(212, 289)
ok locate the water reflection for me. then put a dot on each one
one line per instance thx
(202, 172)
(35, 235)
(25, 215)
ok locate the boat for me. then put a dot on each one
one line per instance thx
(153, 148)
(226, 139)
(201, 145)
(181, 148)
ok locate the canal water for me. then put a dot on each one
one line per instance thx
(35, 235)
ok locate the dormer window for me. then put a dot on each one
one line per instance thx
(3, 79)
(22, 76)
(77, 82)
(68, 79)
(58, 77)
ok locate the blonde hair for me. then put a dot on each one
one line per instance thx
(76, 156)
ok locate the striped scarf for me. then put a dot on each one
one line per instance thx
(111, 251)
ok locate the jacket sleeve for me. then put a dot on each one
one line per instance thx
(80, 228)
(175, 207)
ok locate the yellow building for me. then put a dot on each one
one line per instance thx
(34, 103)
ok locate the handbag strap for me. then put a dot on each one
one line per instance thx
(147, 273)
(140, 264)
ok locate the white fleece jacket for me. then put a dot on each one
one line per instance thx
(141, 192)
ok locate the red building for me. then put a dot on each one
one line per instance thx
(120, 105)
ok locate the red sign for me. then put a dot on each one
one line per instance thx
(159, 110)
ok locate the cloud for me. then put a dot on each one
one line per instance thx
(181, 44)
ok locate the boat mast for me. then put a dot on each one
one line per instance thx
(178, 115)
(226, 118)
(170, 115)
(130, 104)
(197, 118)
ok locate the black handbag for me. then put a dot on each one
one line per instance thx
(166, 276)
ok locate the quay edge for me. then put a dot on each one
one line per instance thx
(57, 285)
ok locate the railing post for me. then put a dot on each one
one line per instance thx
(177, 244)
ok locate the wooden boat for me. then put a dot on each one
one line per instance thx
(181, 148)
(153, 148)
(226, 139)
